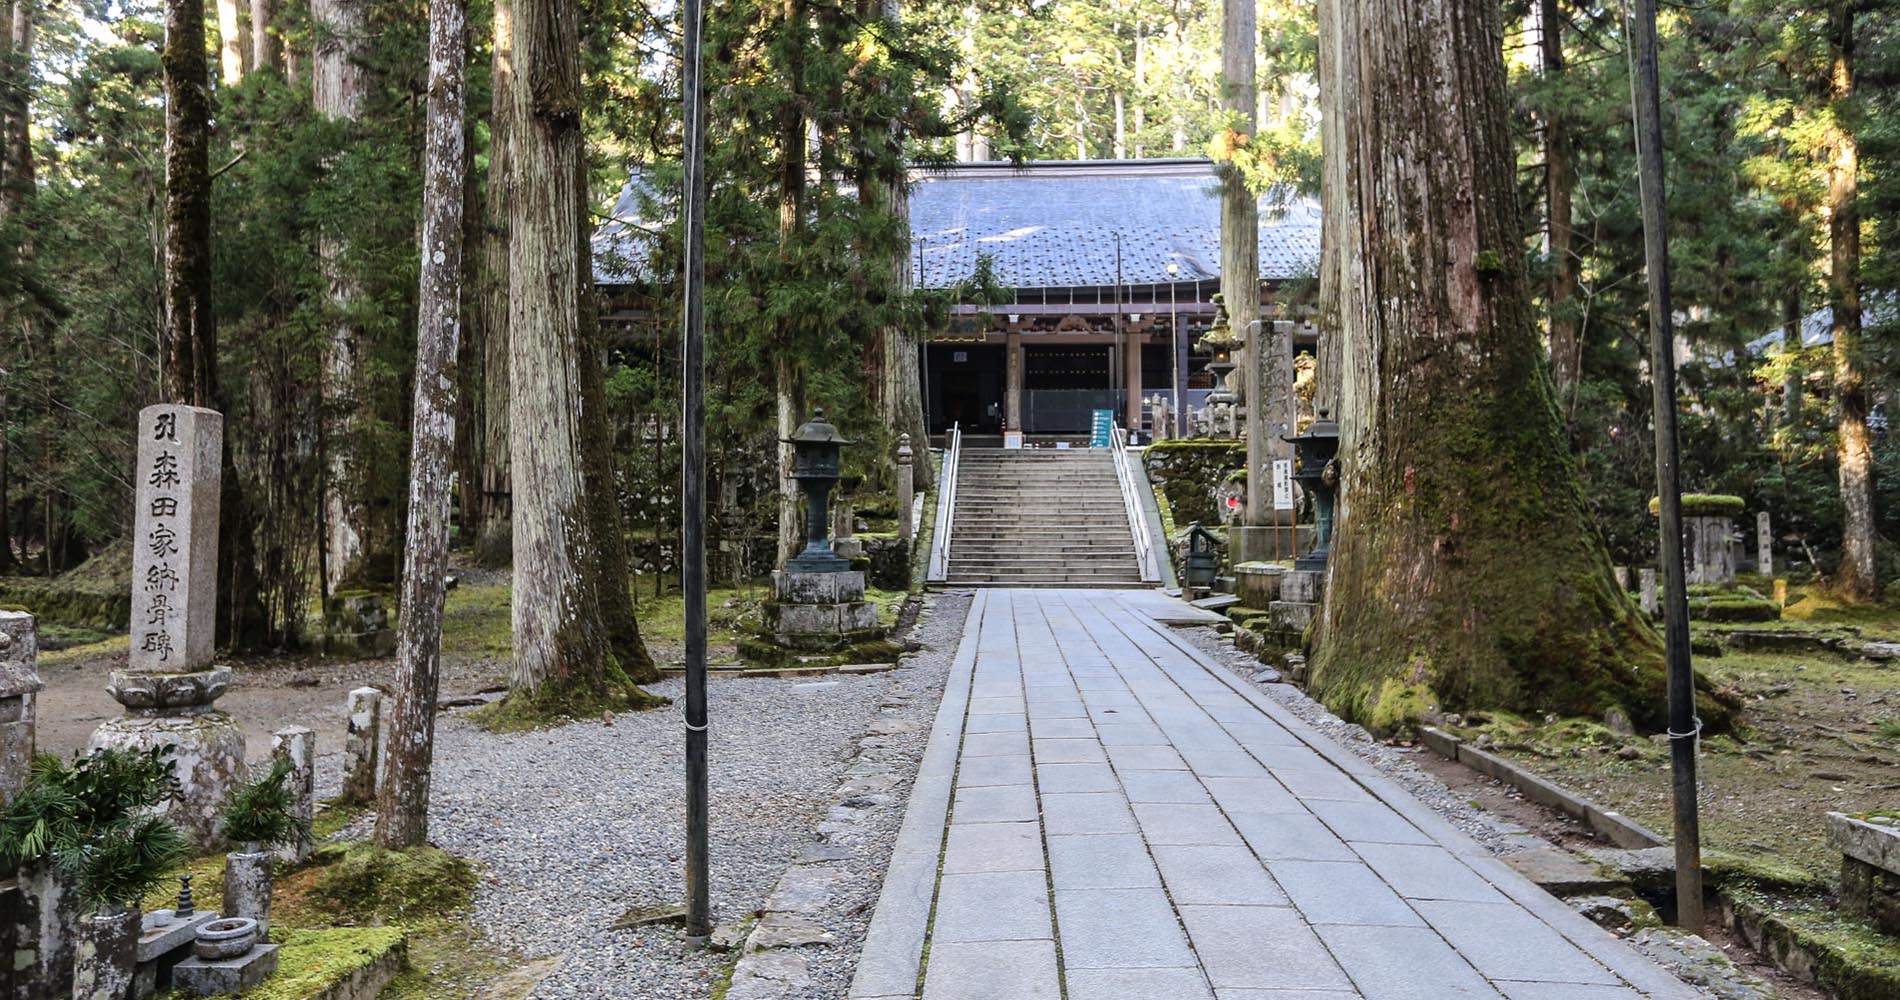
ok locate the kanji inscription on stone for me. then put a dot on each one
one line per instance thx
(175, 540)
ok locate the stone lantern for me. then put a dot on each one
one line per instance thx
(817, 460)
(1221, 342)
(1316, 469)
(818, 600)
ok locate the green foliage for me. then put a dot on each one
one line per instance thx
(260, 811)
(310, 961)
(91, 820)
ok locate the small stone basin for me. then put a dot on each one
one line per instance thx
(226, 938)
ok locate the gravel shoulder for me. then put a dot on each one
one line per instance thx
(576, 826)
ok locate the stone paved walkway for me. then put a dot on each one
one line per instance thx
(1101, 815)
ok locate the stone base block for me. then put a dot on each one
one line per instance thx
(835, 620)
(1305, 586)
(104, 961)
(1258, 584)
(376, 645)
(817, 588)
(1265, 543)
(208, 751)
(847, 548)
(231, 975)
(356, 623)
(1292, 616)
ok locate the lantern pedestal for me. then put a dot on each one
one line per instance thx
(1300, 592)
(820, 612)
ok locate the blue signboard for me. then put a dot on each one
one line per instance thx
(1102, 435)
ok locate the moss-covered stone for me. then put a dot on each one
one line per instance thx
(1188, 474)
(1703, 505)
(310, 962)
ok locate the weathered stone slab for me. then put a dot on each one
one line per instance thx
(360, 744)
(231, 975)
(175, 538)
(19, 682)
(1303, 585)
(105, 958)
(818, 588)
(1871, 843)
(155, 941)
(207, 757)
(298, 745)
(1559, 872)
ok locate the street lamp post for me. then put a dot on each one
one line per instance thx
(693, 474)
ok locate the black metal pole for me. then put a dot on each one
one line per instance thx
(693, 473)
(1684, 727)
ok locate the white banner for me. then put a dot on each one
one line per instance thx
(1282, 484)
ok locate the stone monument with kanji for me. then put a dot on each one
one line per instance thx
(170, 683)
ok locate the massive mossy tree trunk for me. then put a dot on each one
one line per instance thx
(561, 645)
(1467, 572)
(16, 179)
(339, 81)
(402, 808)
(1566, 351)
(1855, 579)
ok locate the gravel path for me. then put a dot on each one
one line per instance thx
(575, 826)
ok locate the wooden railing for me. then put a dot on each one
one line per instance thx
(946, 506)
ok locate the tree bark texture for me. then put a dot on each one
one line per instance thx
(402, 811)
(191, 337)
(612, 560)
(1566, 350)
(493, 447)
(791, 221)
(230, 42)
(1855, 580)
(560, 645)
(338, 84)
(1466, 570)
(883, 188)
(264, 47)
(1336, 81)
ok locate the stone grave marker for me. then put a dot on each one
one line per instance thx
(1764, 545)
(171, 684)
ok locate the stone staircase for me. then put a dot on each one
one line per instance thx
(1040, 518)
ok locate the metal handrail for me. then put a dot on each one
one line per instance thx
(1137, 524)
(946, 505)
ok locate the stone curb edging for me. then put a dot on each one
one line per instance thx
(1593, 940)
(1616, 827)
(769, 959)
(786, 673)
(891, 959)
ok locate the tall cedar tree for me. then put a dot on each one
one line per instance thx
(562, 559)
(402, 810)
(1466, 572)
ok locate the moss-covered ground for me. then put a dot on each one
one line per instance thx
(351, 903)
(1820, 732)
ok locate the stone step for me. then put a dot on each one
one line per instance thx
(1087, 583)
(1091, 562)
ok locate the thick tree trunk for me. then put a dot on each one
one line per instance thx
(402, 809)
(1240, 264)
(494, 510)
(1566, 351)
(883, 188)
(191, 338)
(791, 223)
(560, 644)
(1466, 570)
(264, 48)
(230, 42)
(1336, 81)
(338, 84)
(612, 561)
(1855, 580)
(15, 179)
